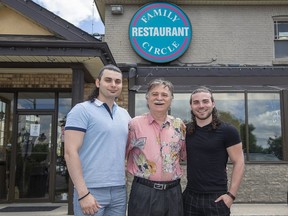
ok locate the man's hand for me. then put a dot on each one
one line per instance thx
(89, 205)
(226, 199)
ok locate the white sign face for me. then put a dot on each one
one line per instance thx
(34, 129)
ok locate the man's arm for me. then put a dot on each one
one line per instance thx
(73, 141)
(237, 158)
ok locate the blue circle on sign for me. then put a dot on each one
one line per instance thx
(160, 32)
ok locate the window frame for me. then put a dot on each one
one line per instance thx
(280, 42)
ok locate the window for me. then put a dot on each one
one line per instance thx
(32, 100)
(256, 115)
(281, 30)
(140, 104)
(180, 107)
(281, 37)
(264, 126)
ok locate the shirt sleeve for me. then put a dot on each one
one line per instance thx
(77, 119)
(232, 136)
(183, 153)
(131, 136)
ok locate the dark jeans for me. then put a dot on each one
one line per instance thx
(203, 204)
(147, 201)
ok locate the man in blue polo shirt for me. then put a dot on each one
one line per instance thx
(95, 140)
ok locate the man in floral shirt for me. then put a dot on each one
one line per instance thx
(156, 144)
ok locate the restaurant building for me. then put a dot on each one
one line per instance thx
(239, 49)
(46, 66)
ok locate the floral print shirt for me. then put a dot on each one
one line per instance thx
(154, 151)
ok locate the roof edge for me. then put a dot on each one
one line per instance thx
(49, 20)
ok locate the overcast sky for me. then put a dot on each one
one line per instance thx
(81, 13)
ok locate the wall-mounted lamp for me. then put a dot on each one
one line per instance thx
(117, 9)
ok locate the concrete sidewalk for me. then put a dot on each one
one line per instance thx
(259, 210)
(236, 210)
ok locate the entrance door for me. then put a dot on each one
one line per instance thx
(33, 156)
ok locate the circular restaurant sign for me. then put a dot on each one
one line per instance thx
(160, 32)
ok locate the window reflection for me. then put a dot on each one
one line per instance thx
(31, 100)
(231, 107)
(261, 135)
(180, 107)
(140, 104)
(264, 126)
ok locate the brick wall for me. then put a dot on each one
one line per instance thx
(34, 80)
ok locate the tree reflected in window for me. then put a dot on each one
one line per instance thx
(256, 115)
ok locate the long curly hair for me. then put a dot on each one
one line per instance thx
(95, 93)
(190, 126)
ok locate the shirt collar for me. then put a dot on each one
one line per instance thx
(151, 119)
(100, 103)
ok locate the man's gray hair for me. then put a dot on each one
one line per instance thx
(157, 82)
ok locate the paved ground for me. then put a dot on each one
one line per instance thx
(237, 210)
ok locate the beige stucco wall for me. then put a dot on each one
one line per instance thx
(15, 24)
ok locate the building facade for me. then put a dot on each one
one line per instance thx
(46, 66)
(238, 49)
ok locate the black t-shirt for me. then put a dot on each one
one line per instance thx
(207, 157)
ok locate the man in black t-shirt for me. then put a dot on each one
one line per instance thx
(209, 143)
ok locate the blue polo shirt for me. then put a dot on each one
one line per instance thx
(102, 153)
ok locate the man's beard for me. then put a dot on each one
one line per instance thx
(203, 118)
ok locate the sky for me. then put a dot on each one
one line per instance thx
(81, 13)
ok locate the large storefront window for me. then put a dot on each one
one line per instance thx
(264, 120)
(257, 117)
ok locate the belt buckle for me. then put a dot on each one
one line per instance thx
(159, 186)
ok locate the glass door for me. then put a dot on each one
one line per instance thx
(33, 156)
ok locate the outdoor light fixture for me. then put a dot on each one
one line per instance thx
(117, 9)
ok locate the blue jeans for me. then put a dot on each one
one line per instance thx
(111, 199)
